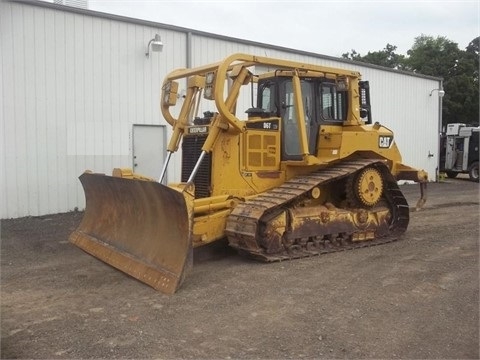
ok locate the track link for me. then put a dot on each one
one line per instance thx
(246, 223)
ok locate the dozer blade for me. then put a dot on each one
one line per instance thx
(140, 227)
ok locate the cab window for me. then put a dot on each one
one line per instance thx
(333, 105)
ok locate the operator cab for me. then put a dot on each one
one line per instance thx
(324, 102)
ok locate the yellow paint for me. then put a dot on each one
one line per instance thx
(247, 160)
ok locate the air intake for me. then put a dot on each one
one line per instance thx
(191, 150)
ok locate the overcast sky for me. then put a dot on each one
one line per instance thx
(324, 27)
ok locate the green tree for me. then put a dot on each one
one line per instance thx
(433, 56)
(386, 57)
(442, 58)
(458, 68)
(467, 84)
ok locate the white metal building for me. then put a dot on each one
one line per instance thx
(78, 92)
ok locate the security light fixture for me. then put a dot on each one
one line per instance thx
(441, 92)
(157, 45)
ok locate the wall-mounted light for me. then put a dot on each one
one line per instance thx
(156, 43)
(441, 92)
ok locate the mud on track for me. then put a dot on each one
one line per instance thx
(415, 298)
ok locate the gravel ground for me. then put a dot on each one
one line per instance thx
(414, 298)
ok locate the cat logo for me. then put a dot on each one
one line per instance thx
(384, 142)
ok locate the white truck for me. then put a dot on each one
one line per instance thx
(459, 151)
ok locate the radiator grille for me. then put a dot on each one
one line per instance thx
(191, 150)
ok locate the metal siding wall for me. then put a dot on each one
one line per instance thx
(400, 102)
(7, 111)
(3, 112)
(72, 87)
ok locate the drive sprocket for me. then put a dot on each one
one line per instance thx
(368, 186)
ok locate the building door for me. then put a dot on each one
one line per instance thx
(149, 149)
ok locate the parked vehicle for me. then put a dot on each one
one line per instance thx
(460, 151)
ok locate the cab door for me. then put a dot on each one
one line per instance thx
(291, 148)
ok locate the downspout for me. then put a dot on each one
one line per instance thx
(440, 120)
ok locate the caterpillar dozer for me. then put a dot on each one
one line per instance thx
(303, 171)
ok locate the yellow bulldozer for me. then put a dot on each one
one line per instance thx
(303, 171)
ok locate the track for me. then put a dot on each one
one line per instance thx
(247, 226)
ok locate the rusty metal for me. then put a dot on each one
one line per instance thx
(423, 196)
(142, 228)
(322, 221)
(256, 227)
